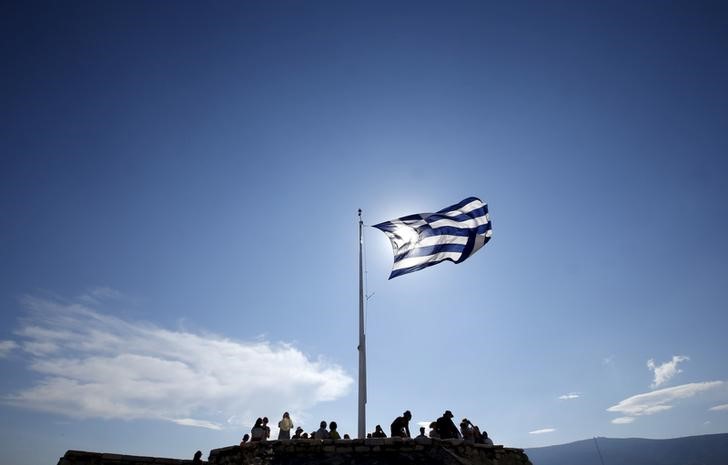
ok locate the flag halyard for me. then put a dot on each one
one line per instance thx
(426, 239)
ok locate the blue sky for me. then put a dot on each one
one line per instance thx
(178, 235)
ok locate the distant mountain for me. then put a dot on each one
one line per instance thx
(709, 449)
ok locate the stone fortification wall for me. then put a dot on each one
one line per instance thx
(391, 451)
(77, 457)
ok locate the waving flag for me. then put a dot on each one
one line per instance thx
(425, 239)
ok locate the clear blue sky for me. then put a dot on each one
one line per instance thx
(178, 195)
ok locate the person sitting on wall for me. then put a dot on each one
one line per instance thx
(466, 429)
(299, 432)
(322, 433)
(197, 459)
(477, 435)
(434, 434)
(446, 427)
(333, 434)
(486, 440)
(378, 432)
(400, 426)
(257, 433)
(245, 439)
(422, 433)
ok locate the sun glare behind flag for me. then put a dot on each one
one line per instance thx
(425, 239)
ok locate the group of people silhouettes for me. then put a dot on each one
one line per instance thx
(442, 428)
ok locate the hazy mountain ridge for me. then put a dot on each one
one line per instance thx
(710, 449)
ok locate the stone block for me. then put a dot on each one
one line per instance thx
(137, 459)
(453, 442)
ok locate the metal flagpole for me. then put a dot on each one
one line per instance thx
(362, 342)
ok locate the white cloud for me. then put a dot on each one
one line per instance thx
(93, 365)
(542, 431)
(665, 371)
(570, 396)
(6, 347)
(623, 420)
(39, 348)
(719, 408)
(198, 423)
(653, 402)
(99, 294)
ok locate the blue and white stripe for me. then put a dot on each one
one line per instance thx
(425, 239)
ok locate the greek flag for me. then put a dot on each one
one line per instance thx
(425, 239)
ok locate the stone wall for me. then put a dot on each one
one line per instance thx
(77, 457)
(390, 451)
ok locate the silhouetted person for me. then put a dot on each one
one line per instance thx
(369, 435)
(304, 436)
(266, 427)
(422, 433)
(257, 432)
(197, 458)
(284, 427)
(245, 439)
(333, 434)
(400, 426)
(378, 432)
(486, 440)
(446, 427)
(434, 434)
(477, 436)
(467, 430)
(346, 436)
(299, 432)
(322, 433)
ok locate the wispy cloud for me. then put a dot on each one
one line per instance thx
(608, 360)
(100, 294)
(719, 408)
(198, 423)
(93, 365)
(570, 396)
(653, 402)
(6, 347)
(542, 431)
(623, 420)
(666, 371)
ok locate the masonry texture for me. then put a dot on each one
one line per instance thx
(391, 451)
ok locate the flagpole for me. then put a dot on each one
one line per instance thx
(362, 341)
